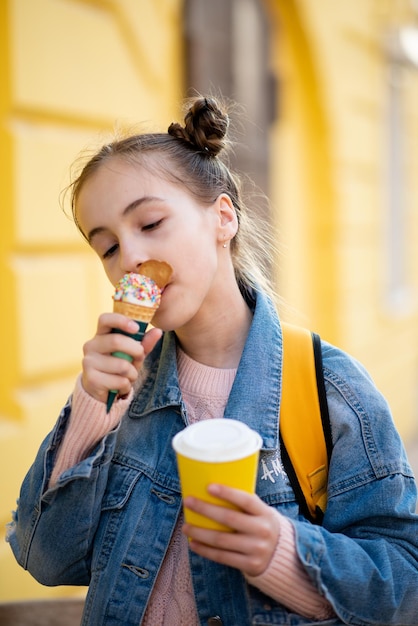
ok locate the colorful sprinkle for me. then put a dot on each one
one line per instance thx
(138, 289)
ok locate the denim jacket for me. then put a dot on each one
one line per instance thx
(108, 521)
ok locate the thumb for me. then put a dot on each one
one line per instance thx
(150, 339)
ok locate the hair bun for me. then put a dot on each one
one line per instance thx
(205, 127)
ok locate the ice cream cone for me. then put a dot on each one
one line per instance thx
(144, 287)
(159, 271)
(135, 312)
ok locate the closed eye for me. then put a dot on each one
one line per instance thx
(110, 252)
(152, 225)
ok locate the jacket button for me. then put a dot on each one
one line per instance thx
(215, 621)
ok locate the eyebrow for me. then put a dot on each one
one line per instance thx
(128, 209)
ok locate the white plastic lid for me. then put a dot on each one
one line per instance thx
(217, 440)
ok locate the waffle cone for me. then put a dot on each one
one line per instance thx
(136, 312)
(159, 271)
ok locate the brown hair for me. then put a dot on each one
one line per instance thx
(195, 156)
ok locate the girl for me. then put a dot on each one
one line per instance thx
(101, 505)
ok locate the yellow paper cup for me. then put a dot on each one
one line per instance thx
(220, 451)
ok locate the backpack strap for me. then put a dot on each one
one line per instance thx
(305, 431)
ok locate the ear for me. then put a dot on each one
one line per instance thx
(227, 218)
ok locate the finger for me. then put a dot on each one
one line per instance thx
(106, 383)
(108, 321)
(219, 556)
(234, 519)
(109, 343)
(252, 563)
(254, 548)
(248, 502)
(258, 520)
(102, 372)
(150, 339)
(220, 539)
(109, 364)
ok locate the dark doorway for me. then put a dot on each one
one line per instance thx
(227, 52)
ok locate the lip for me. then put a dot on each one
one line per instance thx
(163, 291)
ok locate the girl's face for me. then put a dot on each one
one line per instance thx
(130, 215)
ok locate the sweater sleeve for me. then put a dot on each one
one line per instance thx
(286, 581)
(88, 423)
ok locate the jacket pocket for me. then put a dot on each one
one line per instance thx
(121, 482)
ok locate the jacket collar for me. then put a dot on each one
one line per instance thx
(255, 394)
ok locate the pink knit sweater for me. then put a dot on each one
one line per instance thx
(205, 392)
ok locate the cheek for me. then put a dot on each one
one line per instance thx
(112, 276)
(200, 262)
(203, 244)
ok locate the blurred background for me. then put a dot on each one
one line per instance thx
(328, 126)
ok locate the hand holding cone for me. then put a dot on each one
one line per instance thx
(138, 296)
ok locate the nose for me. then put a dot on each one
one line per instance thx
(129, 257)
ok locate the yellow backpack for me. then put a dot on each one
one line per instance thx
(305, 431)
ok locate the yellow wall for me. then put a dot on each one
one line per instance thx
(329, 191)
(74, 67)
